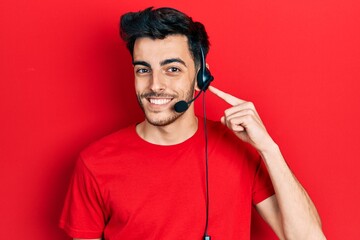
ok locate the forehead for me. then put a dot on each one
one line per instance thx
(156, 50)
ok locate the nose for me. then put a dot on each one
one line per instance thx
(158, 82)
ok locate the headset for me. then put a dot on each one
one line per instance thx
(204, 77)
(203, 80)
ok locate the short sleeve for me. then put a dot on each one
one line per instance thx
(83, 211)
(262, 187)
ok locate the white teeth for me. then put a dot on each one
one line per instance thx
(158, 101)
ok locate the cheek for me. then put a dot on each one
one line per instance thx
(185, 83)
(139, 85)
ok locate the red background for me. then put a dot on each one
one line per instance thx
(66, 80)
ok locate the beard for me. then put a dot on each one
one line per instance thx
(171, 116)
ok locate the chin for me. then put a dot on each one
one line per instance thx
(161, 121)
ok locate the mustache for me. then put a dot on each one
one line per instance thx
(156, 94)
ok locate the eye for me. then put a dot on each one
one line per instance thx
(173, 69)
(142, 70)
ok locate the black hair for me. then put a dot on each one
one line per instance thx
(161, 22)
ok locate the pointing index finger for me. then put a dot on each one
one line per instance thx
(230, 99)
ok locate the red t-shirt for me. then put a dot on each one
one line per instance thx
(126, 188)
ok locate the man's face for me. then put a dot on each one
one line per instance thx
(164, 74)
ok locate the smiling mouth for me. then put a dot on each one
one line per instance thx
(159, 101)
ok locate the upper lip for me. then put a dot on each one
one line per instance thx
(149, 96)
(159, 98)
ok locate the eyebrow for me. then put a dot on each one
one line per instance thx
(172, 60)
(141, 63)
(162, 63)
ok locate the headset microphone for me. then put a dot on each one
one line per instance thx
(182, 105)
(203, 80)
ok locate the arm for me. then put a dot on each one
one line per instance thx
(299, 216)
(290, 212)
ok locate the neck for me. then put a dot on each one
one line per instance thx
(177, 132)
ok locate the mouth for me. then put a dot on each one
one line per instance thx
(159, 101)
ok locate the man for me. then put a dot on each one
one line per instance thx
(148, 181)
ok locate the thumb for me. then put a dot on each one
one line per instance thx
(223, 120)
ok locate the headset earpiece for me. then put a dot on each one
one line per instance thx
(204, 76)
(203, 79)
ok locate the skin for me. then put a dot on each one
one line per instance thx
(290, 213)
(165, 70)
(160, 83)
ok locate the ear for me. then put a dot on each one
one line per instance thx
(196, 86)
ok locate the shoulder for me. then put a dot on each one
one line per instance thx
(218, 131)
(226, 143)
(109, 145)
(224, 136)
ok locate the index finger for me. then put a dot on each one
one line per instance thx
(230, 99)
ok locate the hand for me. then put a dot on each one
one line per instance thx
(243, 119)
